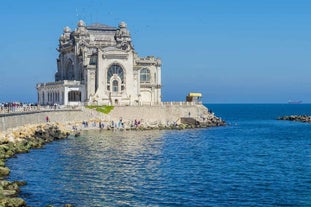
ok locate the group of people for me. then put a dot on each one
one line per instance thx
(102, 125)
(117, 125)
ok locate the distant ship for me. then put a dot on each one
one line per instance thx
(294, 102)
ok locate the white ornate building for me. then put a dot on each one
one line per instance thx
(97, 65)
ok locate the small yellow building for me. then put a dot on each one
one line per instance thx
(194, 97)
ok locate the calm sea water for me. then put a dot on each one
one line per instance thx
(254, 161)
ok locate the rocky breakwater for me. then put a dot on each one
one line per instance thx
(213, 121)
(300, 118)
(21, 140)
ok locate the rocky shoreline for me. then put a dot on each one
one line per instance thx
(299, 118)
(22, 139)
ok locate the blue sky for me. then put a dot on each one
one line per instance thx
(241, 51)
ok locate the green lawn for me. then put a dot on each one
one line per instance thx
(103, 109)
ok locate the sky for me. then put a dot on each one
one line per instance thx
(241, 51)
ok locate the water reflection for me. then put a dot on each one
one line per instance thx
(124, 162)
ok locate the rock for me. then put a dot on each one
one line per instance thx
(22, 147)
(4, 171)
(10, 193)
(4, 183)
(7, 185)
(2, 163)
(12, 202)
(20, 183)
(300, 118)
(13, 186)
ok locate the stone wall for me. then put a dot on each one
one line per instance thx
(163, 114)
(19, 119)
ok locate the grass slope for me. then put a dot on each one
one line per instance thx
(102, 109)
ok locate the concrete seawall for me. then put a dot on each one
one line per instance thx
(163, 114)
(19, 119)
(159, 113)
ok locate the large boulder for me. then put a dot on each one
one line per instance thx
(12, 202)
(2, 163)
(4, 171)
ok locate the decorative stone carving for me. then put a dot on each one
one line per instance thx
(123, 37)
(65, 37)
(150, 60)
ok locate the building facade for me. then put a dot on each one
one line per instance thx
(98, 65)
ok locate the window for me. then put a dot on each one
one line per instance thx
(117, 82)
(74, 96)
(115, 69)
(145, 75)
(115, 86)
(93, 59)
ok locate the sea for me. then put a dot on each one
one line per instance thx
(255, 160)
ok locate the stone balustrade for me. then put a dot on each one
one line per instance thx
(181, 103)
(28, 109)
(18, 109)
(25, 109)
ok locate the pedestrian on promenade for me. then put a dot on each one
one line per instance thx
(47, 119)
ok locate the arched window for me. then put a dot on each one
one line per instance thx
(69, 71)
(115, 69)
(145, 75)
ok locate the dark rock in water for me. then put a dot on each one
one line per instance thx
(191, 122)
(300, 118)
(20, 183)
